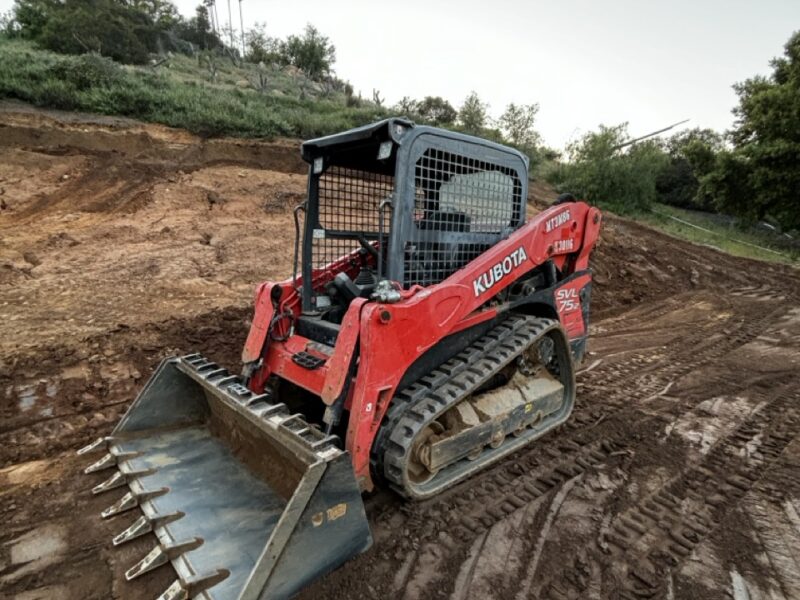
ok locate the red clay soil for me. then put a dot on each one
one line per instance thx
(122, 243)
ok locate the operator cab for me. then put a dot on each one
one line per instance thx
(397, 202)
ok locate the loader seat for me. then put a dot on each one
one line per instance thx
(445, 220)
(438, 252)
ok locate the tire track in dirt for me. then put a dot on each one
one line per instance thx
(599, 430)
(657, 534)
(763, 530)
(780, 420)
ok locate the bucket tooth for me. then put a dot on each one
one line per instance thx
(127, 502)
(111, 459)
(176, 591)
(101, 442)
(120, 478)
(108, 461)
(216, 373)
(154, 559)
(161, 555)
(200, 583)
(132, 500)
(121, 455)
(115, 481)
(192, 588)
(144, 525)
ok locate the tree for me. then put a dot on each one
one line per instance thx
(730, 187)
(32, 15)
(436, 110)
(312, 53)
(473, 114)
(8, 24)
(125, 30)
(517, 124)
(198, 30)
(406, 107)
(161, 12)
(103, 26)
(692, 155)
(110, 27)
(260, 47)
(760, 176)
(603, 170)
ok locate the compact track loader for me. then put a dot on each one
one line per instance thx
(428, 330)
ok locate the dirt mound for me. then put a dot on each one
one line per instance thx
(60, 133)
(93, 239)
(122, 243)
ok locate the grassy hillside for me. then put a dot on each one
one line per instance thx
(203, 94)
(720, 232)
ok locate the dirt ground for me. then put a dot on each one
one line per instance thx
(678, 475)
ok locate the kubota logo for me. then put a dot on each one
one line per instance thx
(492, 276)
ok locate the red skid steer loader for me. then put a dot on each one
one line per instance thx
(428, 330)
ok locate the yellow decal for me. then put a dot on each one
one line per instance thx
(528, 407)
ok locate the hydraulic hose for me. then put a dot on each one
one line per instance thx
(296, 211)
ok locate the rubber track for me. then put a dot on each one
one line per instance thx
(447, 385)
(421, 388)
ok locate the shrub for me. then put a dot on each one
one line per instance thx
(312, 53)
(95, 84)
(104, 26)
(603, 170)
(86, 71)
(692, 155)
(125, 31)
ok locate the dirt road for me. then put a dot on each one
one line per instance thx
(678, 475)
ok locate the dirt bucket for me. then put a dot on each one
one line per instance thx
(246, 500)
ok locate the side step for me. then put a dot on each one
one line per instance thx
(245, 499)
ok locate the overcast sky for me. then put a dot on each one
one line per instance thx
(585, 62)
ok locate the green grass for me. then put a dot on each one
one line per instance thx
(718, 234)
(180, 93)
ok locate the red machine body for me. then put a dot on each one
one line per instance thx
(390, 337)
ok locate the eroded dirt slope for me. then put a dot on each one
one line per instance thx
(121, 243)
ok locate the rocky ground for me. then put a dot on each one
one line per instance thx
(678, 475)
